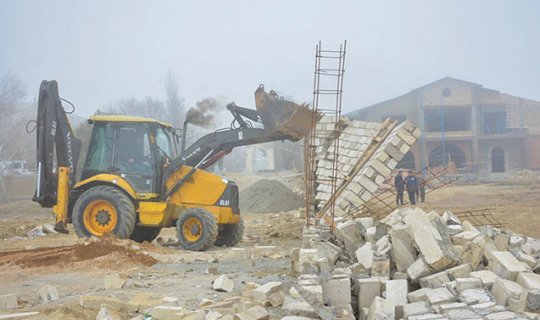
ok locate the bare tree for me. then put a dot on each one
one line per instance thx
(174, 102)
(147, 107)
(12, 90)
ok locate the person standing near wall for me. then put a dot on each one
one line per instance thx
(400, 188)
(411, 183)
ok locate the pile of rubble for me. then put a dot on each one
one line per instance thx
(415, 265)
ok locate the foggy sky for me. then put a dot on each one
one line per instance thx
(102, 51)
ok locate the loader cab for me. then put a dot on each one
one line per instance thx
(133, 148)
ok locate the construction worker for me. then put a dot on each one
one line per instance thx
(411, 183)
(400, 188)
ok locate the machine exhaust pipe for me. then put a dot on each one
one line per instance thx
(184, 134)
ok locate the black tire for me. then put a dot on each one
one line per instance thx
(230, 234)
(142, 234)
(203, 231)
(125, 211)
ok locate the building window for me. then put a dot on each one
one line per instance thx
(494, 122)
(437, 120)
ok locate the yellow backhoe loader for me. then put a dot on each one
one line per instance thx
(133, 184)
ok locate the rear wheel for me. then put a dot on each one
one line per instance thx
(197, 229)
(104, 210)
(142, 234)
(230, 234)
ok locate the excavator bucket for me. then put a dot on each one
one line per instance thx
(283, 117)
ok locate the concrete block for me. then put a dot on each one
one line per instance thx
(364, 255)
(223, 283)
(403, 250)
(439, 296)
(510, 295)
(529, 260)
(418, 295)
(306, 257)
(350, 233)
(337, 291)
(461, 271)
(463, 284)
(8, 302)
(503, 315)
(115, 281)
(501, 241)
(473, 251)
(264, 291)
(505, 265)
(417, 270)
(488, 277)
(105, 313)
(434, 253)
(48, 294)
(464, 237)
(381, 268)
(370, 234)
(435, 280)
(396, 293)
(326, 249)
(531, 282)
(381, 309)
(367, 290)
(253, 313)
(415, 308)
(474, 296)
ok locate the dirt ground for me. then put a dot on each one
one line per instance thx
(77, 267)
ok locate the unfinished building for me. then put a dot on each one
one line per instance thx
(465, 125)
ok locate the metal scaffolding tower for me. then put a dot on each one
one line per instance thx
(327, 98)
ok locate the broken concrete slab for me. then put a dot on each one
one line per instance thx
(264, 291)
(505, 265)
(253, 313)
(367, 290)
(381, 309)
(488, 277)
(531, 282)
(115, 281)
(463, 284)
(435, 280)
(415, 308)
(510, 295)
(439, 296)
(337, 291)
(105, 313)
(402, 247)
(364, 255)
(223, 283)
(417, 270)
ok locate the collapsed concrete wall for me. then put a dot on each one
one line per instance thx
(378, 151)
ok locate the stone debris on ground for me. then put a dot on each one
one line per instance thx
(414, 266)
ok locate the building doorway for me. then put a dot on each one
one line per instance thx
(407, 162)
(441, 156)
(497, 160)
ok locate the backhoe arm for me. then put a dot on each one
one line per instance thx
(54, 133)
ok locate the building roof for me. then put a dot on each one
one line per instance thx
(445, 79)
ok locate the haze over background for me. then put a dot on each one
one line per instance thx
(102, 51)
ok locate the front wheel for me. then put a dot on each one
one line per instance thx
(197, 229)
(104, 210)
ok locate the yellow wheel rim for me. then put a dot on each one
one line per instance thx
(100, 217)
(192, 229)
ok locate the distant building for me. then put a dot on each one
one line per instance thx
(480, 130)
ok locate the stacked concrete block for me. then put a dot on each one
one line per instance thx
(353, 141)
(378, 168)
